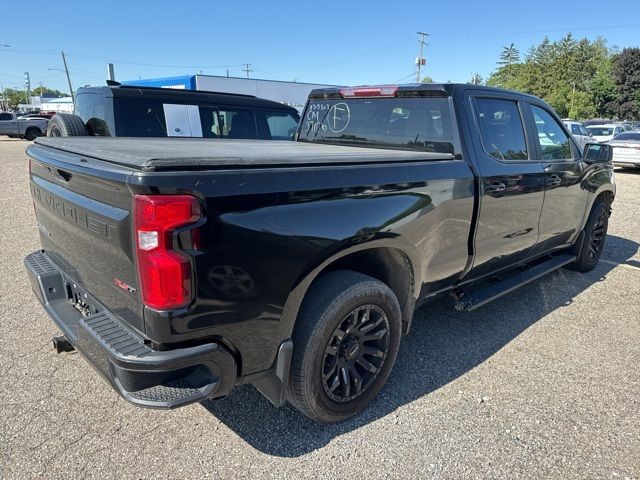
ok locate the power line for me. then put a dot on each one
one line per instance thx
(128, 62)
(525, 32)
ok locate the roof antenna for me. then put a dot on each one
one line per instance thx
(113, 83)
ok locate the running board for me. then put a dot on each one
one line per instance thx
(471, 301)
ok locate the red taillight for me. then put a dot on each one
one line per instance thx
(383, 91)
(165, 275)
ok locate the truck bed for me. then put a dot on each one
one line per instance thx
(177, 153)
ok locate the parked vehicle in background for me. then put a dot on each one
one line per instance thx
(627, 127)
(626, 149)
(181, 271)
(604, 133)
(128, 111)
(636, 126)
(579, 132)
(36, 115)
(13, 125)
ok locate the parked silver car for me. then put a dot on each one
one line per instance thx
(579, 132)
(626, 150)
(604, 133)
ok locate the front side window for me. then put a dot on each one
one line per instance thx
(501, 129)
(575, 129)
(554, 143)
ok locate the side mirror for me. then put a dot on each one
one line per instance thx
(597, 153)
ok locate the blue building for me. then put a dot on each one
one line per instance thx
(290, 93)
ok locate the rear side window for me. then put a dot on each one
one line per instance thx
(554, 143)
(236, 123)
(140, 118)
(282, 125)
(501, 129)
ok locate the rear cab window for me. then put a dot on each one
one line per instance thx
(423, 124)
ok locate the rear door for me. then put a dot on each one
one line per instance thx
(511, 182)
(565, 194)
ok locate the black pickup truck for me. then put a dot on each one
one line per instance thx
(181, 268)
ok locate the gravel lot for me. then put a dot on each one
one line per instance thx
(544, 383)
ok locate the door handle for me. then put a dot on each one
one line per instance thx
(554, 180)
(495, 187)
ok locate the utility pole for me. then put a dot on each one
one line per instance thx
(247, 69)
(111, 75)
(66, 69)
(27, 87)
(420, 61)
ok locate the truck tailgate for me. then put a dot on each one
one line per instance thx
(83, 213)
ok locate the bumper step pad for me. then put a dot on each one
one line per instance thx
(142, 375)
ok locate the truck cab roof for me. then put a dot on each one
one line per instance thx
(169, 94)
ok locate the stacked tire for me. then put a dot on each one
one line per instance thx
(66, 125)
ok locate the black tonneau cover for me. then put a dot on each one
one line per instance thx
(177, 153)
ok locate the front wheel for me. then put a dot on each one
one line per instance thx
(595, 232)
(345, 344)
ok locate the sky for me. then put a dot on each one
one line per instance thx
(341, 43)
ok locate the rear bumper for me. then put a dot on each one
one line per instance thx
(623, 162)
(142, 375)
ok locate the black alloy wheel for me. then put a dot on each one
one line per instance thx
(355, 353)
(596, 240)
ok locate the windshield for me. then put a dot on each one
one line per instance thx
(601, 131)
(404, 123)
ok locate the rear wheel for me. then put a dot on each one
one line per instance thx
(66, 125)
(345, 344)
(595, 232)
(32, 133)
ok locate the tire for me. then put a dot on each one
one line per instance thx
(595, 235)
(344, 314)
(66, 125)
(32, 133)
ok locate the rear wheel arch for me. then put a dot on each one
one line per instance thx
(392, 265)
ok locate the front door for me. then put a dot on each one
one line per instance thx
(565, 193)
(8, 125)
(512, 183)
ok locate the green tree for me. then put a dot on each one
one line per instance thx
(476, 79)
(427, 79)
(40, 91)
(14, 97)
(576, 77)
(626, 74)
